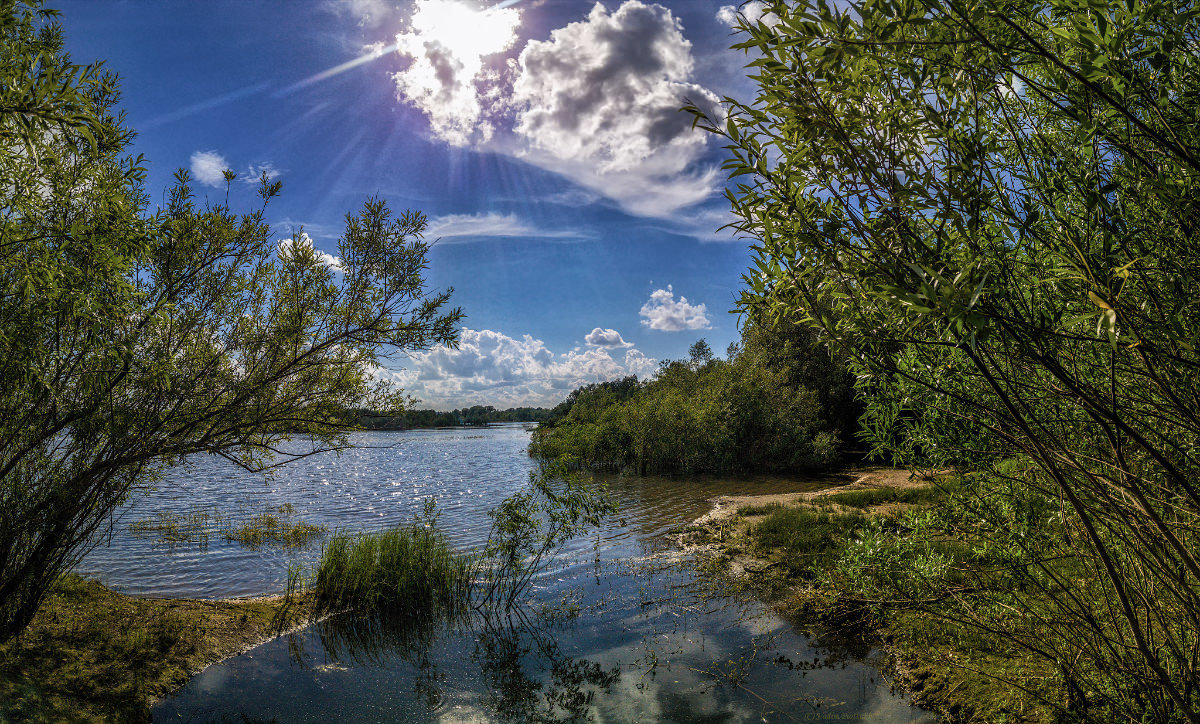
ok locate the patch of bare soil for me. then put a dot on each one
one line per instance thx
(722, 532)
(727, 506)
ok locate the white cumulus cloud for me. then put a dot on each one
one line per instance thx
(663, 312)
(754, 11)
(304, 244)
(599, 102)
(208, 167)
(609, 338)
(448, 78)
(492, 368)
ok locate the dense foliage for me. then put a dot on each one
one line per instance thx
(780, 403)
(992, 209)
(474, 415)
(129, 339)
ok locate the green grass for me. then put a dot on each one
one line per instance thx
(803, 535)
(748, 510)
(410, 569)
(878, 496)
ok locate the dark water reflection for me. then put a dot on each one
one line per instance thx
(639, 641)
(622, 630)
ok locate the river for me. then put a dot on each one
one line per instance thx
(621, 629)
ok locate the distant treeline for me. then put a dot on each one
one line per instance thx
(475, 415)
(778, 403)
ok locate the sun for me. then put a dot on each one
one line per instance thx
(468, 33)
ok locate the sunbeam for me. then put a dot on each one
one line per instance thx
(206, 105)
(335, 70)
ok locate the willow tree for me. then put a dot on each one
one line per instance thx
(993, 208)
(129, 340)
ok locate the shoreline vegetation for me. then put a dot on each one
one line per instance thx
(474, 416)
(820, 557)
(779, 402)
(93, 654)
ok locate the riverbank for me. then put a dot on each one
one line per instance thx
(800, 552)
(92, 654)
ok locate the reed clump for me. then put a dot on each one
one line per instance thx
(410, 570)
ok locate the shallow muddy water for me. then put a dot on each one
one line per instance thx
(621, 629)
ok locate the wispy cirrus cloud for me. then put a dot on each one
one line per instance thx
(479, 226)
(255, 171)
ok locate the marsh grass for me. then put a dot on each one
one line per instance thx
(752, 510)
(275, 526)
(878, 496)
(177, 529)
(804, 536)
(408, 570)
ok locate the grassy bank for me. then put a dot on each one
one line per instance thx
(92, 654)
(861, 560)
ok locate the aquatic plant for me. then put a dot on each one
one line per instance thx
(414, 568)
(176, 529)
(274, 526)
(411, 569)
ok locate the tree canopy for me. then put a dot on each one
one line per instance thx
(992, 209)
(130, 339)
(781, 403)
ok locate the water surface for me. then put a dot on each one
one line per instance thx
(622, 629)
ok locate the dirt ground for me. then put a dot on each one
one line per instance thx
(726, 506)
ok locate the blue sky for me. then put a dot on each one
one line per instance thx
(574, 211)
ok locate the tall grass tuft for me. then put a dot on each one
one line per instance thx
(408, 570)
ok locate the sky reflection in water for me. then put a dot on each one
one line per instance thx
(621, 630)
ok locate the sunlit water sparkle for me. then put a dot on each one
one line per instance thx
(620, 630)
